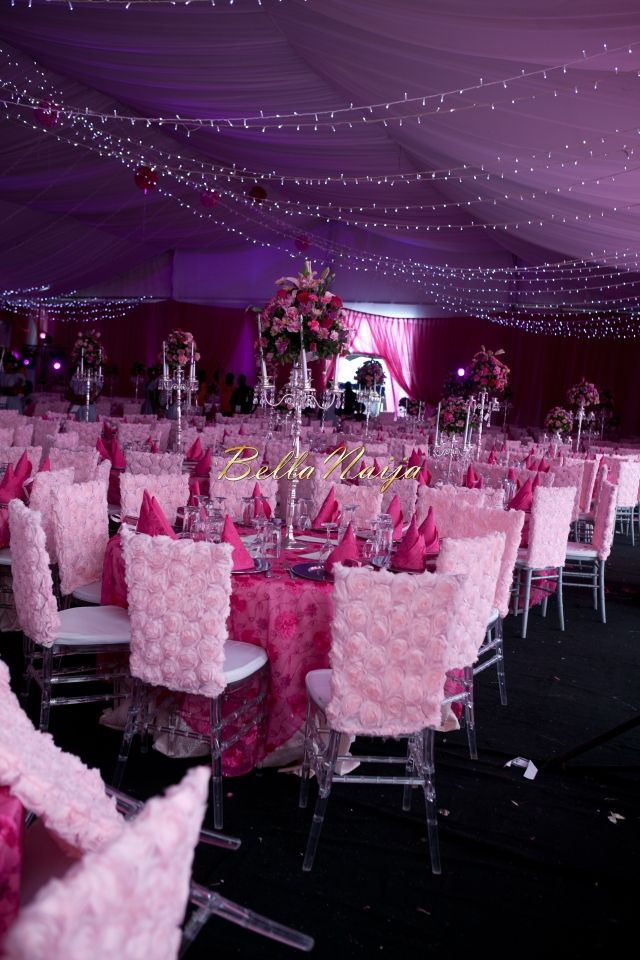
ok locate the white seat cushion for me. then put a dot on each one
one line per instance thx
(90, 593)
(242, 659)
(5, 557)
(581, 551)
(82, 626)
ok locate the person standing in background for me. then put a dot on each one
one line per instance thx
(226, 391)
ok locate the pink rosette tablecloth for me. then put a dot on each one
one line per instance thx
(289, 618)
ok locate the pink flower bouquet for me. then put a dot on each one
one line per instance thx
(583, 394)
(370, 375)
(486, 372)
(89, 347)
(558, 420)
(178, 352)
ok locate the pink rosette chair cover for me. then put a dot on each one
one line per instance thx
(56, 786)
(6, 436)
(84, 462)
(83, 630)
(66, 441)
(479, 558)
(81, 532)
(43, 433)
(393, 638)
(235, 490)
(189, 435)
(179, 594)
(626, 474)
(141, 461)
(585, 562)
(570, 475)
(11, 850)
(542, 560)
(41, 499)
(445, 501)
(588, 483)
(23, 435)
(87, 433)
(366, 500)
(170, 490)
(132, 433)
(127, 899)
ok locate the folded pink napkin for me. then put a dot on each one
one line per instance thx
(424, 477)
(347, 550)
(22, 469)
(103, 450)
(410, 553)
(472, 481)
(415, 460)
(194, 492)
(241, 431)
(428, 528)
(45, 466)
(523, 498)
(203, 466)
(512, 476)
(118, 461)
(395, 512)
(241, 558)
(195, 450)
(109, 432)
(153, 447)
(492, 456)
(328, 512)
(261, 507)
(10, 486)
(152, 520)
(542, 466)
(224, 434)
(376, 466)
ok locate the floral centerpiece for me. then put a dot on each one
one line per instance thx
(370, 375)
(558, 420)
(180, 346)
(88, 349)
(486, 372)
(303, 301)
(583, 394)
(411, 406)
(455, 386)
(453, 414)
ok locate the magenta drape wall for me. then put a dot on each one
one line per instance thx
(419, 352)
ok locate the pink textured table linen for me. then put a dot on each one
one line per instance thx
(11, 841)
(289, 618)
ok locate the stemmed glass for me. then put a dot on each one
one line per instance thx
(248, 511)
(328, 544)
(221, 502)
(258, 548)
(302, 518)
(347, 516)
(383, 537)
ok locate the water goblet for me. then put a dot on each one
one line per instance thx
(247, 511)
(302, 518)
(328, 544)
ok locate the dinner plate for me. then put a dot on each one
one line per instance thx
(260, 566)
(311, 571)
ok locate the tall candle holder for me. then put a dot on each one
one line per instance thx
(297, 395)
(580, 416)
(368, 397)
(84, 380)
(449, 449)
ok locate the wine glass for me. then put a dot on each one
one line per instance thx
(347, 516)
(302, 518)
(247, 511)
(328, 544)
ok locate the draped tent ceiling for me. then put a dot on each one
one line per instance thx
(535, 161)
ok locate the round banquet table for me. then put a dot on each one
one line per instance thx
(289, 618)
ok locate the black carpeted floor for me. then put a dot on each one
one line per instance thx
(527, 865)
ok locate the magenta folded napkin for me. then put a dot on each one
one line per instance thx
(203, 466)
(415, 460)
(346, 550)
(395, 512)
(411, 551)
(241, 557)
(328, 512)
(523, 499)
(472, 481)
(102, 449)
(261, 507)
(542, 466)
(512, 476)
(195, 450)
(428, 528)
(152, 519)
(194, 492)
(492, 456)
(118, 461)
(45, 466)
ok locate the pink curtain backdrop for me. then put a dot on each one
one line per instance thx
(419, 352)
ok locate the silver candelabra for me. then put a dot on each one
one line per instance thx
(173, 380)
(368, 396)
(85, 379)
(297, 395)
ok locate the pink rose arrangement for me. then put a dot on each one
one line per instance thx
(179, 344)
(583, 394)
(486, 372)
(558, 420)
(303, 302)
(370, 374)
(89, 347)
(453, 414)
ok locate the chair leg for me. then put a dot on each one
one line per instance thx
(45, 701)
(215, 725)
(560, 599)
(603, 609)
(543, 607)
(502, 683)
(304, 778)
(594, 585)
(408, 770)
(128, 735)
(516, 596)
(525, 605)
(430, 801)
(470, 713)
(324, 789)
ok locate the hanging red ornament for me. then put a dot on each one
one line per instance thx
(258, 194)
(47, 114)
(302, 243)
(209, 199)
(145, 179)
